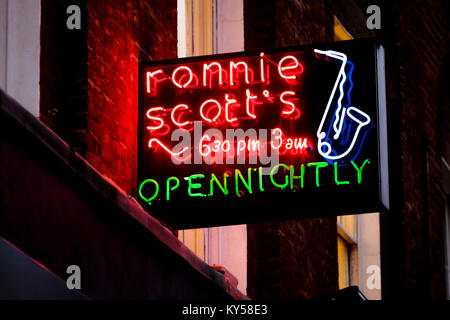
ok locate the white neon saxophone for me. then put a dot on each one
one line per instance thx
(339, 113)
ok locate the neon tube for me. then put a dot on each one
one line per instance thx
(195, 185)
(169, 188)
(318, 165)
(207, 67)
(149, 76)
(235, 66)
(149, 200)
(160, 120)
(230, 100)
(172, 153)
(172, 115)
(340, 111)
(286, 182)
(291, 93)
(247, 103)
(288, 67)
(218, 113)
(336, 176)
(224, 188)
(191, 76)
(247, 185)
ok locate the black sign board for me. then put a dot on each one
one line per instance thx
(261, 136)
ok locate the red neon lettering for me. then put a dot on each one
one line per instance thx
(295, 144)
(289, 143)
(230, 100)
(219, 108)
(185, 84)
(226, 142)
(150, 76)
(172, 115)
(298, 144)
(235, 66)
(253, 145)
(207, 67)
(278, 136)
(289, 66)
(207, 146)
(261, 64)
(240, 146)
(216, 146)
(160, 120)
(287, 112)
(201, 146)
(175, 154)
(247, 103)
(218, 113)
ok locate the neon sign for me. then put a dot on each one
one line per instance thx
(230, 138)
(246, 184)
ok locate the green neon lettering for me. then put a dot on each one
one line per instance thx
(292, 176)
(154, 195)
(224, 188)
(260, 180)
(169, 188)
(318, 165)
(195, 185)
(247, 185)
(286, 182)
(336, 176)
(359, 170)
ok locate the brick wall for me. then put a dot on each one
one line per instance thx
(422, 44)
(290, 259)
(119, 35)
(415, 36)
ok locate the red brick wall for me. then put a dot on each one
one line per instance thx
(121, 33)
(290, 259)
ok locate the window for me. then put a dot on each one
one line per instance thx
(347, 251)
(20, 32)
(343, 263)
(340, 33)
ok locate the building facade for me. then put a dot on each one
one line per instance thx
(83, 84)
